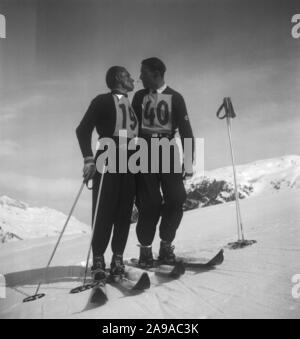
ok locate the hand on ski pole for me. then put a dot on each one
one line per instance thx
(89, 169)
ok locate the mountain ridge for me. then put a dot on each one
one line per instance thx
(18, 220)
(266, 176)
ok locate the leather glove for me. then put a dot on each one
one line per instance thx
(89, 169)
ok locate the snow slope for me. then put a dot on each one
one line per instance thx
(265, 176)
(20, 221)
(254, 282)
(262, 177)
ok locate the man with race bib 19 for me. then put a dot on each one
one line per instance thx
(161, 111)
(112, 115)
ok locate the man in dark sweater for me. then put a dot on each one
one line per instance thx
(161, 111)
(111, 114)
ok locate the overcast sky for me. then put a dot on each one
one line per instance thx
(56, 53)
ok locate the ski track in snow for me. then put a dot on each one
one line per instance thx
(254, 282)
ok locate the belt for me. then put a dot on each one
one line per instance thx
(158, 135)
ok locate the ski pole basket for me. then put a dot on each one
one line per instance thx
(84, 287)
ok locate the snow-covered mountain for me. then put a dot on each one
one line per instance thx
(20, 221)
(257, 178)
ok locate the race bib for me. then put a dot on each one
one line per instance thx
(157, 113)
(126, 118)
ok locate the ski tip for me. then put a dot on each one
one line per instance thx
(98, 296)
(143, 283)
(218, 259)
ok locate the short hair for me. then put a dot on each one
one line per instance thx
(155, 64)
(111, 75)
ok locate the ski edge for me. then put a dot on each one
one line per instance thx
(217, 260)
(175, 271)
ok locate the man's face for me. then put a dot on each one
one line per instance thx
(148, 78)
(126, 81)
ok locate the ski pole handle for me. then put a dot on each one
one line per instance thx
(219, 112)
(228, 109)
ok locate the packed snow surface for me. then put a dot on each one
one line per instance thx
(254, 282)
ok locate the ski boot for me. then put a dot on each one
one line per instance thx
(146, 257)
(166, 253)
(117, 267)
(98, 269)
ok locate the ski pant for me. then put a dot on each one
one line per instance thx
(159, 195)
(114, 212)
(151, 205)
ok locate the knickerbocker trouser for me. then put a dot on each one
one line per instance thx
(114, 213)
(152, 204)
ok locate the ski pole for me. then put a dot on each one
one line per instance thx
(230, 114)
(36, 295)
(237, 199)
(88, 286)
